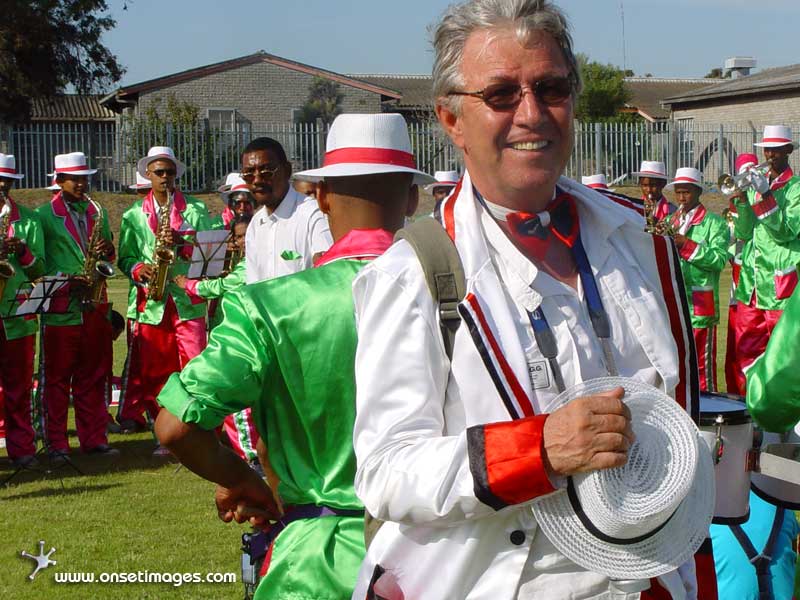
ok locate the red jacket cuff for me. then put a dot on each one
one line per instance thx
(765, 207)
(27, 258)
(191, 289)
(507, 461)
(185, 251)
(688, 249)
(135, 272)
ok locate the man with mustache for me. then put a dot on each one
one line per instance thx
(288, 229)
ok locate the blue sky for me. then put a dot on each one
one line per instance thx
(675, 38)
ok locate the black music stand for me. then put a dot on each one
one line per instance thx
(39, 303)
(208, 256)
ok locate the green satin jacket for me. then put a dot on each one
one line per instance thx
(136, 246)
(771, 229)
(23, 224)
(64, 253)
(773, 380)
(210, 289)
(703, 257)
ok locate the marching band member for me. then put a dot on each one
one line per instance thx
(702, 241)
(77, 341)
(294, 339)
(170, 330)
(452, 447)
(652, 176)
(445, 182)
(21, 260)
(769, 222)
(288, 229)
(238, 201)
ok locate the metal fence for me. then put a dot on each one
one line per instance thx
(113, 148)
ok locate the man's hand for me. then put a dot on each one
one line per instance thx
(759, 182)
(79, 286)
(103, 248)
(680, 239)
(146, 273)
(180, 281)
(251, 501)
(13, 247)
(588, 434)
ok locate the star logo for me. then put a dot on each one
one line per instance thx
(42, 560)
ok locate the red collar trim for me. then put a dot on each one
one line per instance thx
(358, 243)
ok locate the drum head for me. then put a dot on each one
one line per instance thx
(732, 409)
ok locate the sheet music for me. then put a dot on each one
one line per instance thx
(208, 256)
(41, 296)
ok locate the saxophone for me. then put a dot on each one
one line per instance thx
(653, 225)
(96, 270)
(163, 255)
(7, 270)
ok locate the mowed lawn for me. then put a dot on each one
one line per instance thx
(132, 514)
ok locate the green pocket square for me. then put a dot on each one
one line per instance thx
(290, 255)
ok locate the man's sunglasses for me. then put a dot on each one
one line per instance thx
(263, 171)
(164, 172)
(504, 96)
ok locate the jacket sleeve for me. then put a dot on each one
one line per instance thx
(779, 212)
(129, 254)
(34, 239)
(228, 376)
(412, 468)
(709, 254)
(108, 235)
(773, 380)
(216, 288)
(744, 220)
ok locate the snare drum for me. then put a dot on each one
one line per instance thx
(728, 428)
(776, 491)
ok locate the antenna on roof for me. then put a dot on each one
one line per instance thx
(624, 54)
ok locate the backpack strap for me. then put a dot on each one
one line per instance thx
(761, 561)
(444, 272)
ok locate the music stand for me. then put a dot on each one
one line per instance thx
(39, 302)
(208, 256)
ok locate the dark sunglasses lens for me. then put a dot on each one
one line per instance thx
(502, 96)
(165, 172)
(554, 91)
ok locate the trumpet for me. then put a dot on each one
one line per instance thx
(731, 185)
(163, 255)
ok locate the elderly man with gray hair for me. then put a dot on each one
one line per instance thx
(454, 445)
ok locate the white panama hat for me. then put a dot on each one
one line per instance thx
(648, 517)
(229, 179)
(443, 179)
(235, 184)
(595, 181)
(367, 144)
(652, 168)
(156, 153)
(142, 183)
(8, 167)
(687, 175)
(73, 163)
(53, 186)
(775, 136)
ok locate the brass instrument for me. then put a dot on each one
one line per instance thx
(96, 270)
(731, 185)
(232, 258)
(653, 225)
(7, 270)
(164, 253)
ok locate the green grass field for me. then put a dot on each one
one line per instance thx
(135, 513)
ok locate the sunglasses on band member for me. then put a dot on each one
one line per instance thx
(164, 172)
(263, 171)
(504, 96)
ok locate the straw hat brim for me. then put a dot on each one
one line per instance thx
(355, 169)
(670, 547)
(650, 175)
(772, 144)
(16, 176)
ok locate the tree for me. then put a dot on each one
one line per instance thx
(48, 45)
(716, 73)
(604, 92)
(324, 102)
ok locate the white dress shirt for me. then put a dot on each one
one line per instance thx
(285, 241)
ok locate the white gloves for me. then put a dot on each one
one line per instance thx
(759, 182)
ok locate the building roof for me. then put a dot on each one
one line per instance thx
(414, 89)
(779, 79)
(647, 93)
(129, 94)
(70, 107)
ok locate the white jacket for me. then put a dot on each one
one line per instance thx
(414, 407)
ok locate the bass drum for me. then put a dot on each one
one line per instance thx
(727, 427)
(776, 491)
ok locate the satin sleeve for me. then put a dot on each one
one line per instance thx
(773, 380)
(228, 376)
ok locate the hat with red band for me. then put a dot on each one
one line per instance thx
(596, 182)
(142, 183)
(73, 163)
(653, 169)
(444, 179)
(688, 175)
(8, 167)
(775, 136)
(235, 185)
(367, 144)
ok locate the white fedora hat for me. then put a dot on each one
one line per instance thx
(687, 175)
(367, 144)
(652, 168)
(156, 153)
(53, 186)
(595, 181)
(142, 183)
(230, 178)
(74, 163)
(648, 517)
(443, 179)
(236, 184)
(8, 167)
(775, 136)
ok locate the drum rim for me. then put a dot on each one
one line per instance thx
(772, 499)
(732, 520)
(740, 416)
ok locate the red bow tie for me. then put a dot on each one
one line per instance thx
(532, 231)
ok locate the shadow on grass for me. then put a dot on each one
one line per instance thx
(59, 491)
